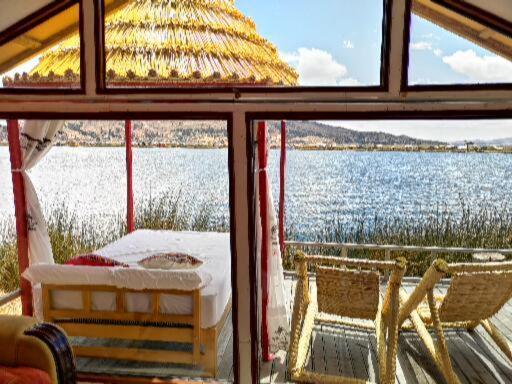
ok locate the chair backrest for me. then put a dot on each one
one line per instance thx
(350, 293)
(474, 296)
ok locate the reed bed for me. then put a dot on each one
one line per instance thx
(70, 235)
(483, 228)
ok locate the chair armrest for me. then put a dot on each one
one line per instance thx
(36, 345)
(436, 272)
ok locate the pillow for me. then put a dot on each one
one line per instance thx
(172, 260)
(93, 260)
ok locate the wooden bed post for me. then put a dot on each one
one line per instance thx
(282, 177)
(265, 251)
(20, 207)
(130, 218)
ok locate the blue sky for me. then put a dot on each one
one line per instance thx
(334, 42)
(350, 31)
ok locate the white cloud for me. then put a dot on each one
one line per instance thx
(430, 36)
(422, 80)
(348, 44)
(349, 82)
(487, 68)
(291, 58)
(422, 46)
(426, 46)
(318, 67)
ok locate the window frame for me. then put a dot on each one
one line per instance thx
(102, 87)
(35, 19)
(234, 127)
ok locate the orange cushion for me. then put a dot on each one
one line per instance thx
(23, 375)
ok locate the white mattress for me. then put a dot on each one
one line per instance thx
(213, 276)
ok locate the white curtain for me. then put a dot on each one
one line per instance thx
(36, 138)
(277, 311)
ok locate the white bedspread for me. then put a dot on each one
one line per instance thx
(213, 276)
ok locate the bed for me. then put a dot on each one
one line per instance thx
(166, 316)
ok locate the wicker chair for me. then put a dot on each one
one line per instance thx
(476, 293)
(346, 288)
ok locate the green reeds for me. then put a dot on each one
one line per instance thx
(71, 235)
(485, 228)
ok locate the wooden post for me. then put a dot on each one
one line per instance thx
(282, 177)
(130, 218)
(265, 232)
(20, 207)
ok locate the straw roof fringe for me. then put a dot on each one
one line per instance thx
(175, 41)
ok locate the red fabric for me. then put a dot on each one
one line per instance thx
(282, 180)
(23, 375)
(92, 260)
(20, 209)
(130, 219)
(265, 231)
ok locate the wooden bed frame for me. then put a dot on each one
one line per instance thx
(124, 325)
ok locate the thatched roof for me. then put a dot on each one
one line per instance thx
(174, 41)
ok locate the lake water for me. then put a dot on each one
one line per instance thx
(321, 185)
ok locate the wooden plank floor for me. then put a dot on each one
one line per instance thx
(341, 351)
(338, 350)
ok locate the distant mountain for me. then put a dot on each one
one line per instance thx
(300, 131)
(503, 142)
(213, 134)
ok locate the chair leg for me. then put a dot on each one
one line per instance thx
(299, 352)
(498, 337)
(392, 328)
(380, 330)
(442, 350)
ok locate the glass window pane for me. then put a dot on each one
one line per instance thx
(443, 183)
(47, 56)
(181, 210)
(440, 56)
(244, 42)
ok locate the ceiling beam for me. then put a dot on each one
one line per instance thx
(478, 14)
(35, 19)
(28, 42)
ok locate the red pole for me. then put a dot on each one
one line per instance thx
(20, 208)
(282, 177)
(265, 232)
(130, 219)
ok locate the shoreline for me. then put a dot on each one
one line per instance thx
(341, 148)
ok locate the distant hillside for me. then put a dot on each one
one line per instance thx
(213, 134)
(300, 132)
(504, 142)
